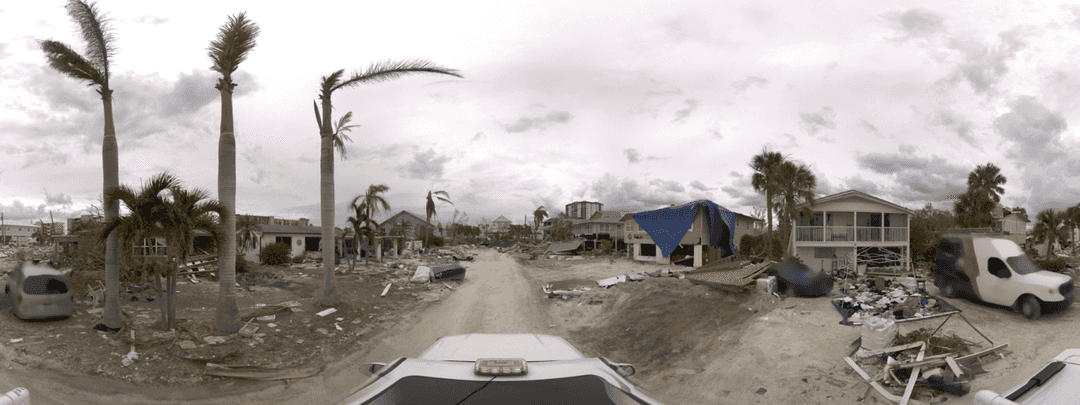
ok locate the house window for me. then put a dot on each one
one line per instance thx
(824, 252)
(648, 249)
(283, 239)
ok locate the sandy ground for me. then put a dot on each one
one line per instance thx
(691, 344)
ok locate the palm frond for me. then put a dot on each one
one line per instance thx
(389, 70)
(330, 83)
(96, 29)
(67, 61)
(234, 40)
(340, 129)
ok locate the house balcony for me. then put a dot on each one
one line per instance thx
(850, 234)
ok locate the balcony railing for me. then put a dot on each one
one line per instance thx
(849, 234)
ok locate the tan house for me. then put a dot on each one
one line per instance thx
(695, 240)
(415, 222)
(1011, 224)
(852, 229)
(500, 225)
(302, 239)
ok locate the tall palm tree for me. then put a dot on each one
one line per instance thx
(538, 217)
(1049, 229)
(374, 73)
(764, 180)
(187, 211)
(146, 210)
(231, 46)
(96, 30)
(797, 184)
(988, 180)
(973, 208)
(430, 210)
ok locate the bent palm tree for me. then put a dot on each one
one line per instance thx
(430, 210)
(368, 205)
(94, 69)
(538, 218)
(235, 39)
(375, 73)
(765, 176)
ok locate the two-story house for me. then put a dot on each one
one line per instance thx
(852, 229)
(701, 230)
(1011, 224)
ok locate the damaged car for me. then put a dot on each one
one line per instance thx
(481, 368)
(38, 290)
(997, 271)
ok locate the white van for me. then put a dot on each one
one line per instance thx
(996, 271)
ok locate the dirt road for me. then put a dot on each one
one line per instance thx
(495, 298)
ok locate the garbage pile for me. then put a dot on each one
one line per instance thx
(921, 365)
(888, 299)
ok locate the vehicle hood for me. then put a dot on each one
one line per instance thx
(1046, 278)
(529, 346)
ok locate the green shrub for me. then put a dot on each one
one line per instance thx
(604, 247)
(275, 254)
(243, 265)
(299, 259)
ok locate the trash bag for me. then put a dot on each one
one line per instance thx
(802, 281)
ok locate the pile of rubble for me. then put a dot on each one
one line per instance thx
(898, 300)
(922, 366)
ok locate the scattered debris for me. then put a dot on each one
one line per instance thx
(608, 282)
(186, 344)
(863, 300)
(422, 275)
(635, 277)
(262, 311)
(329, 311)
(385, 290)
(768, 284)
(213, 340)
(919, 359)
(448, 286)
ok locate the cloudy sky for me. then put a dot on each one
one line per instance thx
(622, 102)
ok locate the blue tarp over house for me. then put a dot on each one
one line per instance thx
(667, 226)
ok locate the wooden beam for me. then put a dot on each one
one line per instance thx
(890, 349)
(957, 371)
(880, 389)
(914, 376)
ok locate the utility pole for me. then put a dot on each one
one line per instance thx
(3, 231)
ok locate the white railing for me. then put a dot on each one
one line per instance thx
(849, 234)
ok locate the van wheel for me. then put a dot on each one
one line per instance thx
(1030, 307)
(949, 290)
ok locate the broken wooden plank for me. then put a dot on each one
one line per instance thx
(385, 290)
(893, 349)
(982, 353)
(880, 389)
(956, 370)
(448, 286)
(259, 373)
(914, 376)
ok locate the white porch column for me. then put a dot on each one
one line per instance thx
(378, 248)
(394, 252)
(698, 259)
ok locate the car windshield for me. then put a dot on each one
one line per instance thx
(571, 390)
(1023, 264)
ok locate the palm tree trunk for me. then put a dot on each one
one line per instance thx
(227, 317)
(326, 183)
(161, 297)
(111, 167)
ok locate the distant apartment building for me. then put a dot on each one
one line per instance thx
(53, 228)
(18, 235)
(74, 225)
(583, 209)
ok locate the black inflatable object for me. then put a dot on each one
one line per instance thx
(802, 281)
